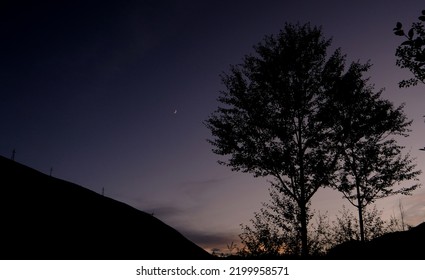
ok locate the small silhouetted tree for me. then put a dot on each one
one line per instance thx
(411, 53)
(371, 161)
(284, 213)
(346, 226)
(275, 230)
(262, 238)
(273, 120)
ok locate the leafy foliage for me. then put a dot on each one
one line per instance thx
(411, 52)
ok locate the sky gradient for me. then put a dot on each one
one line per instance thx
(113, 95)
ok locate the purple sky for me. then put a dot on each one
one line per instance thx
(89, 88)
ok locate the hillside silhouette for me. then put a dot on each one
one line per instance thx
(401, 245)
(43, 217)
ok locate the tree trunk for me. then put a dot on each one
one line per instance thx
(304, 239)
(302, 201)
(360, 208)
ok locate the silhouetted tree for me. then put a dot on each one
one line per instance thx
(411, 53)
(371, 161)
(274, 120)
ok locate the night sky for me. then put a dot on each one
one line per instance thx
(113, 95)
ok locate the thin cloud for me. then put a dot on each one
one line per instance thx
(208, 241)
(200, 187)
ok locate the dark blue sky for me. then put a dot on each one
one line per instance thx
(89, 88)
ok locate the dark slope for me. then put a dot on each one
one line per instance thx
(402, 245)
(43, 217)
